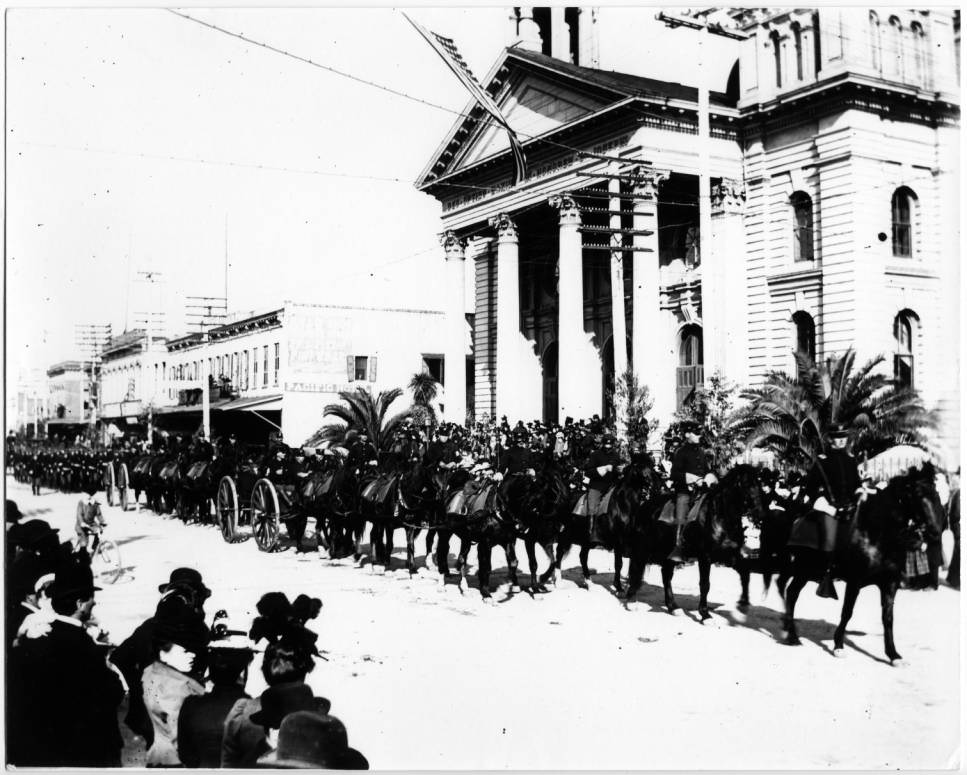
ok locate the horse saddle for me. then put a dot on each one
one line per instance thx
(378, 490)
(197, 470)
(169, 469)
(805, 531)
(473, 498)
(594, 503)
(668, 512)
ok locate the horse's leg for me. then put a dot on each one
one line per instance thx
(388, 546)
(548, 548)
(618, 563)
(789, 621)
(887, 595)
(510, 549)
(430, 534)
(744, 574)
(636, 573)
(704, 569)
(529, 545)
(849, 601)
(583, 556)
(667, 572)
(442, 554)
(411, 534)
(483, 567)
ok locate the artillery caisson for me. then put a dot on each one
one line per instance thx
(248, 505)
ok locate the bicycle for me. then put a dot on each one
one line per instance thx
(105, 554)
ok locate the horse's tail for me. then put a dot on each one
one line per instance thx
(766, 583)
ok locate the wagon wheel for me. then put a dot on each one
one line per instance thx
(227, 507)
(123, 485)
(109, 483)
(265, 515)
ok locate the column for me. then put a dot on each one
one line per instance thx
(560, 34)
(454, 354)
(724, 285)
(648, 334)
(579, 367)
(508, 317)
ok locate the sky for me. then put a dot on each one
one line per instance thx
(138, 141)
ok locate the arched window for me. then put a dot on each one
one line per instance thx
(894, 51)
(903, 208)
(802, 226)
(904, 328)
(797, 42)
(875, 41)
(691, 371)
(777, 56)
(805, 334)
(919, 54)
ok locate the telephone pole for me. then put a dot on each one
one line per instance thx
(91, 338)
(205, 312)
(152, 278)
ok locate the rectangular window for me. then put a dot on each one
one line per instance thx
(433, 365)
(903, 370)
(265, 365)
(255, 367)
(275, 374)
(245, 373)
(361, 367)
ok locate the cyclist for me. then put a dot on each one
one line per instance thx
(90, 522)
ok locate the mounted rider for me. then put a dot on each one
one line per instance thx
(688, 475)
(830, 489)
(601, 470)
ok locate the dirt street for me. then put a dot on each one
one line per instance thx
(427, 677)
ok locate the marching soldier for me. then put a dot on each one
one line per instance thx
(831, 486)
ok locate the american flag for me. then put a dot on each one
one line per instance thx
(447, 50)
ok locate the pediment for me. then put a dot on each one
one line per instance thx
(532, 107)
(532, 101)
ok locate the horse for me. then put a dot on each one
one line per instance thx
(871, 549)
(198, 486)
(539, 503)
(423, 493)
(715, 536)
(618, 528)
(478, 514)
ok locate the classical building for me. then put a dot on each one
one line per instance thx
(832, 219)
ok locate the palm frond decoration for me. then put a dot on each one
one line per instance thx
(792, 416)
(425, 390)
(359, 412)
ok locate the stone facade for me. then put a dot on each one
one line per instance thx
(832, 220)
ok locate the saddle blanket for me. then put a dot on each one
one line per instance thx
(668, 510)
(805, 532)
(378, 490)
(593, 503)
(471, 501)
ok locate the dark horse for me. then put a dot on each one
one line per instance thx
(478, 514)
(714, 537)
(871, 548)
(620, 528)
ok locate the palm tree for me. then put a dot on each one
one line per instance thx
(425, 389)
(359, 412)
(792, 416)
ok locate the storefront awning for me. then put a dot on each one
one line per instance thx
(196, 408)
(272, 403)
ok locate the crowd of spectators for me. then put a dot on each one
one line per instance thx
(184, 678)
